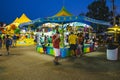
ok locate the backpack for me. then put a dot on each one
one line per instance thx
(8, 42)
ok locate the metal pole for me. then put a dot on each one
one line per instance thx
(63, 33)
(113, 9)
(115, 39)
(119, 21)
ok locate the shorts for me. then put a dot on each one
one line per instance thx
(79, 46)
(57, 52)
(7, 47)
(73, 47)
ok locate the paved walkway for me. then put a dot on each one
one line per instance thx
(24, 63)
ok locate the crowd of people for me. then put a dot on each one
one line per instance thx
(75, 42)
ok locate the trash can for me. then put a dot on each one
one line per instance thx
(112, 52)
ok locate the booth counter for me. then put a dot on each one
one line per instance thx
(25, 42)
(88, 48)
(64, 51)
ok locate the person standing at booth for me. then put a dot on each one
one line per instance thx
(73, 43)
(56, 46)
(80, 41)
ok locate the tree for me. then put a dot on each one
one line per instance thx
(118, 19)
(98, 10)
(82, 14)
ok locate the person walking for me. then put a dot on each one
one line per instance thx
(56, 46)
(0, 45)
(0, 42)
(7, 43)
(3, 40)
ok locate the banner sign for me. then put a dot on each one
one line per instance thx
(65, 19)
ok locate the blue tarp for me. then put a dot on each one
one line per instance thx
(65, 19)
(35, 22)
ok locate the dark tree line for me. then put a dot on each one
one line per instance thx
(99, 10)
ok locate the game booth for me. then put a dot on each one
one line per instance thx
(64, 45)
(64, 19)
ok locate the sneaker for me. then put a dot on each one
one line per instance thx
(8, 53)
(56, 63)
(78, 55)
(74, 56)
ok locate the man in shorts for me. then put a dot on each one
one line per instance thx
(56, 46)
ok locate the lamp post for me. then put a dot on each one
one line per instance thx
(116, 30)
(119, 20)
(115, 38)
(113, 9)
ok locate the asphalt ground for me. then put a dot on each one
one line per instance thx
(24, 63)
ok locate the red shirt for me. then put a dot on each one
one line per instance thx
(55, 42)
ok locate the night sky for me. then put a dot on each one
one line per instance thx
(10, 9)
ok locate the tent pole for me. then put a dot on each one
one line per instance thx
(63, 34)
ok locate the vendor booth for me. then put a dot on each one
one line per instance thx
(63, 17)
(21, 33)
